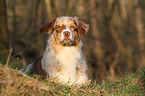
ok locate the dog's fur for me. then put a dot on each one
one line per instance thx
(63, 59)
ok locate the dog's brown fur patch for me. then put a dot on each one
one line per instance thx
(37, 68)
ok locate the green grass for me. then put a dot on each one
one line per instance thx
(15, 83)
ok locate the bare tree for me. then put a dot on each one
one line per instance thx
(98, 45)
(4, 37)
(48, 8)
(140, 31)
(123, 9)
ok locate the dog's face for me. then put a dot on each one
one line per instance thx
(66, 30)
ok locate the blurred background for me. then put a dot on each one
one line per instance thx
(114, 44)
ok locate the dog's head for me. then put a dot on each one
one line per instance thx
(66, 30)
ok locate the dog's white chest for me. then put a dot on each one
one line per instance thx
(68, 58)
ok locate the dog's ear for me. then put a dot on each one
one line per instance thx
(82, 27)
(49, 27)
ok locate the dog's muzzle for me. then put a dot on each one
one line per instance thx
(67, 38)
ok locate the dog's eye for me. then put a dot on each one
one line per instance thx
(73, 27)
(58, 27)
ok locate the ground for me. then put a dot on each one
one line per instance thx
(15, 83)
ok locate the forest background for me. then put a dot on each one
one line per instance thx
(114, 44)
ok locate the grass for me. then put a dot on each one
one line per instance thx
(16, 83)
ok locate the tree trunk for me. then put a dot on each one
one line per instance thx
(81, 9)
(140, 32)
(123, 9)
(4, 37)
(98, 46)
(57, 7)
(48, 8)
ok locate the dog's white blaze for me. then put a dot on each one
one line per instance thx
(71, 35)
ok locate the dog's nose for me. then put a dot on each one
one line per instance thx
(66, 34)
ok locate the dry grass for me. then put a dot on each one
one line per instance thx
(16, 83)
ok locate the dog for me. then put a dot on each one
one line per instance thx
(63, 59)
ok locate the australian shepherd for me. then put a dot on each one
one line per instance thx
(63, 59)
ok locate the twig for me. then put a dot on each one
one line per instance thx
(8, 59)
(7, 82)
(112, 67)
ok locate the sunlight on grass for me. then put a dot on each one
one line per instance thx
(14, 82)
